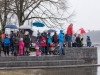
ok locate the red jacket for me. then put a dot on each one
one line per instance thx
(70, 30)
(43, 41)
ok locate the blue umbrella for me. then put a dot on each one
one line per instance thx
(11, 26)
(51, 30)
(38, 24)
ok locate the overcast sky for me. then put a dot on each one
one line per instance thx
(87, 14)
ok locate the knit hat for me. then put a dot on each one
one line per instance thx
(21, 39)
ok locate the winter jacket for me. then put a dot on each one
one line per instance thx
(55, 38)
(21, 35)
(27, 41)
(61, 36)
(88, 41)
(15, 41)
(49, 39)
(21, 45)
(78, 41)
(43, 41)
(6, 41)
(70, 30)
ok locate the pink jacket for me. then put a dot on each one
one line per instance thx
(21, 45)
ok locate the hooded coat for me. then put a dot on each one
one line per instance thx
(61, 36)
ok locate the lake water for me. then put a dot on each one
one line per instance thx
(60, 71)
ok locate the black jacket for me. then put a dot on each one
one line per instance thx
(27, 41)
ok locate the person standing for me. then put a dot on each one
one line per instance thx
(6, 41)
(78, 41)
(21, 34)
(45, 36)
(11, 42)
(70, 33)
(27, 42)
(55, 38)
(74, 41)
(55, 41)
(88, 40)
(21, 47)
(16, 44)
(43, 44)
(61, 41)
(49, 41)
(2, 36)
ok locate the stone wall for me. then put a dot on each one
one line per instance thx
(89, 54)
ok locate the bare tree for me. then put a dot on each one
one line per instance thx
(4, 11)
(51, 12)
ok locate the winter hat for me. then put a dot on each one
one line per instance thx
(21, 39)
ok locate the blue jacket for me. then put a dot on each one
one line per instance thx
(49, 40)
(6, 41)
(61, 36)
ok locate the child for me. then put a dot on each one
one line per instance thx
(21, 47)
(37, 48)
(6, 42)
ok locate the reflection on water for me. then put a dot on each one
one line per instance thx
(64, 71)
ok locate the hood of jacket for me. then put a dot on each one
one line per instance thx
(61, 31)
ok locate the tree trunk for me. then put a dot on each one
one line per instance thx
(5, 16)
(20, 15)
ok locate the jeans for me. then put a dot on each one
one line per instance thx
(43, 49)
(60, 48)
(88, 44)
(69, 40)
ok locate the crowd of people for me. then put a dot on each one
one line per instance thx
(19, 43)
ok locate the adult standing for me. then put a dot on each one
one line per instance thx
(11, 42)
(16, 44)
(27, 42)
(55, 38)
(2, 37)
(74, 44)
(61, 41)
(69, 33)
(49, 41)
(78, 41)
(21, 34)
(43, 44)
(45, 36)
(38, 36)
(55, 41)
